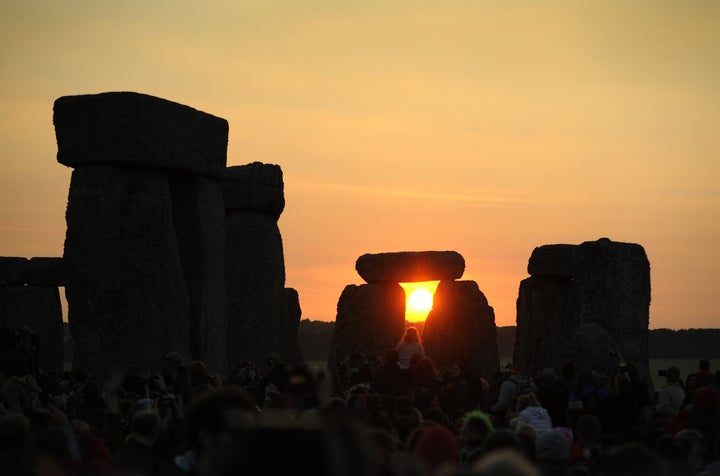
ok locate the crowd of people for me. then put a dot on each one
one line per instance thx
(397, 415)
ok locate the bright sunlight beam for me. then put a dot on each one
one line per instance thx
(421, 300)
(418, 299)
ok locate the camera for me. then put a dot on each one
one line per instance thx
(662, 373)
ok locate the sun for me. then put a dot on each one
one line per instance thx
(418, 299)
(421, 300)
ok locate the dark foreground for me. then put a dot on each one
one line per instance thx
(368, 418)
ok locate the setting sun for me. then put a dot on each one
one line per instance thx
(421, 300)
(418, 299)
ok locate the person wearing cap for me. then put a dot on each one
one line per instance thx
(671, 397)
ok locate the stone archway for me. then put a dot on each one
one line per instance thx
(371, 317)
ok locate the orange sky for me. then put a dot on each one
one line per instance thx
(485, 127)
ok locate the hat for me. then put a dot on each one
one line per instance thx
(552, 446)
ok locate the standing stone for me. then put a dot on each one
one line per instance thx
(255, 264)
(461, 326)
(587, 303)
(39, 308)
(291, 314)
(546, 318)
(29, 295)
(370, 319)
(199, 220)
(410, 266)
(127, 301)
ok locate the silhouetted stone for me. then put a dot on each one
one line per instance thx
(12, 270)
(39, 308)
(600, 308)
(255, 265)
(126, 128)
(199, 220)
(546, 318)
(254, 187)
(45, 272)
(126, 296)
(291, 314)
(461, 325)
(370, 319)
(554, 260)
(410, 266)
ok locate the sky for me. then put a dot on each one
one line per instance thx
(480, 126)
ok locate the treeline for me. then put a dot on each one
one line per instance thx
(685, 343)
(315, 337)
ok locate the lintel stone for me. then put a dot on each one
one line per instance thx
(127, 128)
(254, 187)
(12, 270)
(45, 272)
(410, 266)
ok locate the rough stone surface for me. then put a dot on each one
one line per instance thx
(127, 128)
(199, 221)
(410, 266)
(602, 307)
(12, 270)
(546, 318)
(291, 314)
(255, 271)
(38, 307)
(126, 296)
(45, 272)
(461, 325)
(254, 187)
(553, 260)
(370, 319)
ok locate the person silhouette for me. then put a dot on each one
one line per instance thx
(409, 346)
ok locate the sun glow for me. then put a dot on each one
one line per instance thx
(418, 300)
(421, 300)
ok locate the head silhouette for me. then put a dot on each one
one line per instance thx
(411, 335)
